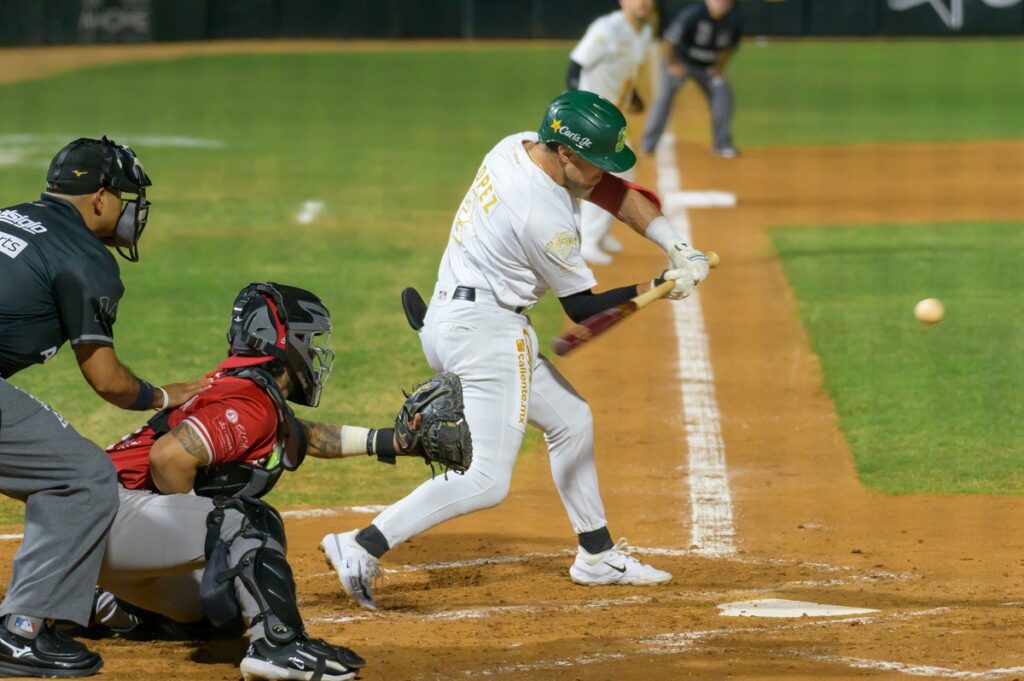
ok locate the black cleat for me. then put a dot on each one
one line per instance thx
(301, 659)
(50, 654)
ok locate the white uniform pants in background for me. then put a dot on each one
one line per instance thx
(506, 384)
(596, 222)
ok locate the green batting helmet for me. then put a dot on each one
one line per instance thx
(591, 126)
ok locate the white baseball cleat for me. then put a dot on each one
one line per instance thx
(595, 256)
(355, 566)
(614, 566)
(610, 244)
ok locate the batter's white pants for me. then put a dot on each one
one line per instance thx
(506, 384)
(596, 222)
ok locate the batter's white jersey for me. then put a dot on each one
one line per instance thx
(610, 53)
(517, 232)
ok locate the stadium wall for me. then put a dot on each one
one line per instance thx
(56, 22)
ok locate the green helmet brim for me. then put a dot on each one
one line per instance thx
(615, 162)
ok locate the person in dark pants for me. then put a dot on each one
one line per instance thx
(698, 44)
(58, 282)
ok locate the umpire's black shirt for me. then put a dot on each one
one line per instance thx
(57, 282)
(699, 38)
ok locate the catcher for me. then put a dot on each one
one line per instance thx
(193, 541)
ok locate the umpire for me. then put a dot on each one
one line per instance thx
(58, 282)
(698, 44)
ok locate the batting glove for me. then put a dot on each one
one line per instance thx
(684, 283)
(683, 257)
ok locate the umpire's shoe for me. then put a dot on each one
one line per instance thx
(303, 659)
(50, 654)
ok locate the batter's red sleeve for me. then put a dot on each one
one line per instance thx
(610, 192)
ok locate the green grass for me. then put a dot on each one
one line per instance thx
(929, 409)
(390, 141)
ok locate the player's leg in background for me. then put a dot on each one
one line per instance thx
(596, 226)
(69, 488)
(658, 115)
(595, 223)
(720, 102)
(492, 352)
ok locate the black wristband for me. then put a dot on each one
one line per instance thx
(380, 441)
(144, 398)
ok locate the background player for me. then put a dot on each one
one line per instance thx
(516, 235)
(698, 44)
(606, 62)
(235, 439)
(58, 282)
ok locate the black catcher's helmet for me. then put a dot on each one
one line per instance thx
(289, 324)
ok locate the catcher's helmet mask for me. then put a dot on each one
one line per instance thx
(66, 177)
(291, 325)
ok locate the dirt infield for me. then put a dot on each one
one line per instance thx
(489, 595)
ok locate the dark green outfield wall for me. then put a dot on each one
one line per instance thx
(53, 22)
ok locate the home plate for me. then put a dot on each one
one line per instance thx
(701, 199)
(780, 607)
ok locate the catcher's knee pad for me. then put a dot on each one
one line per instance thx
(263, 569)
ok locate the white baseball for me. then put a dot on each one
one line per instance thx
(930, 311)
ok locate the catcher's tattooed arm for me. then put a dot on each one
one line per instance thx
(174, 458)
(333, 441)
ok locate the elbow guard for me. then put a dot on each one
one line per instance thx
(610, 192)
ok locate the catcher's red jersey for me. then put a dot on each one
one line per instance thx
(234, 418)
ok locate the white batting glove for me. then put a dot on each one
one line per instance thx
(684, 283)
(683, 257)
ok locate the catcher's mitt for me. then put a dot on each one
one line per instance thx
(441, 434)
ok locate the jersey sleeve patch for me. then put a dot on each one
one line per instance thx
(553, 251)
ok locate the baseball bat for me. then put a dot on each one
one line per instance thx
(596, 324)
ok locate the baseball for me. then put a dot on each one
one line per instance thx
(713, 259)
(930, 311)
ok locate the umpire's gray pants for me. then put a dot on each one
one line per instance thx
(718, 94)
(69, 488)
(155, 557)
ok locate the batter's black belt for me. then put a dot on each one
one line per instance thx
(469, 293)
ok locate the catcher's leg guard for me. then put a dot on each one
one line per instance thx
(255, 555)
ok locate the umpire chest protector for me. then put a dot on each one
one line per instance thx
(250, 479)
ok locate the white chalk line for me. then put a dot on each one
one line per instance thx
(309, 212)
(499, 610)
(712, 529)
(913, 669)
(35, 149)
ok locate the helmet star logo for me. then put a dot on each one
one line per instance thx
(556, 125)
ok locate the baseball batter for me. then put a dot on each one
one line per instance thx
(59, 283)
(606, 62)
(192, 540)
(516, 235)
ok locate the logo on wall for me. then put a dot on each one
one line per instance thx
(115, 21)
(951, 12)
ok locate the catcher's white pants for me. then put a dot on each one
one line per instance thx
(505, 384)
(596, 222)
